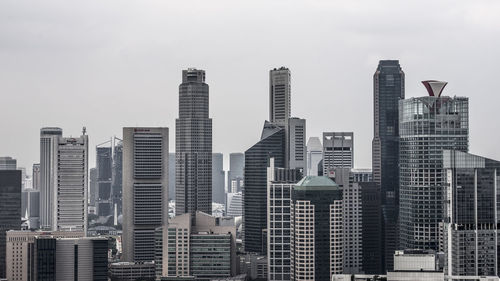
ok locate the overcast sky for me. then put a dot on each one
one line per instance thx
(110, 64)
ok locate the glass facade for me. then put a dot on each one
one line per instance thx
(428, 125)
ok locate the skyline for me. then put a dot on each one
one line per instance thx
(97, 58)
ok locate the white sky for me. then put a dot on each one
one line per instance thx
(110, 64)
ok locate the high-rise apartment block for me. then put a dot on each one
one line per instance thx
(145, 190)
(338, 151)
(388, 89)
(428, 125)
(193, 145)
(279, 95)
(203, 247)
(314, 155)
(64, 180)
(235, 173)
(10, 208)
(471, 213)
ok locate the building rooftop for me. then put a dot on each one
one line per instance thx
(316, 183)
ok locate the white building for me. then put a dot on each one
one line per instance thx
(314, 155)
(338, 151)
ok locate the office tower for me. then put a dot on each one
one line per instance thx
(49, 138)
(388, 89)
(92, 186)
(471, 213)
(64, 179)
(271, 145)
(317, 227)
(314, 155)
(338, 151)
(130, 271)
(36, 176)
(296, 143)
(49, 256)
(235, 173)
(30, 207)
(8, 163)
(362, 175)
(371, 227)
(20, 251)
(104, 167)
(202, 246)
(234, 204)
(171, 176)
(218, 178)
(10, 208)
(145, 190)
(427, 126)
(193, 146)
(117, 181)
(279, 95)
(280, 186)
(352, 218)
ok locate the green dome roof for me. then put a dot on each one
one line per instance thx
(316, 183)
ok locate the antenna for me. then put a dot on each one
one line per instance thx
(84, 130)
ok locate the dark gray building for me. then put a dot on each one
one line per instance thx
(8, 163)
(471, 210)
(10, 209)
(371, 228)
(271, 145)
(36, 176)
(92, 186)
(171, 176)
(427, 126)
(388, 89)
(218, 178)
(117, 181)
(193, 146)
(145, 190)
(104, 168)
(235, 173)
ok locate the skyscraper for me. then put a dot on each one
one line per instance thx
(193, 146)
(104, 168)
(427, 126)
(92, 186)
(296, 144)
(271, 145)
(171, 176)
(218, 178)
(314, 155)
(10, 208)
(279, 95)
(471, 241)
(117, 181)
(36, 176)
(235, 173)
(388, 89)
(145, 190)
(338, 151)
(49, 138)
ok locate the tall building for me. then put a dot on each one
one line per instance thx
(317, 229)
(388, 89)
(64, 180)
(171, 176)
(193, 146)
(279, 95)
(371, 228)
(56, 256)
(296, 143)
(427, 126)
(203, 248)
(117, 179)
(49, 138)
(234, 204)
(338, 151)
(471, 240)
(145, 190)
(314, 155)
(92, 186)
(30, 207)
(36, 176)
(280, 186)
(10, 208)
(218, 178)
(104, 168)
(271, 145)
(8, 163)
(235, 173)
